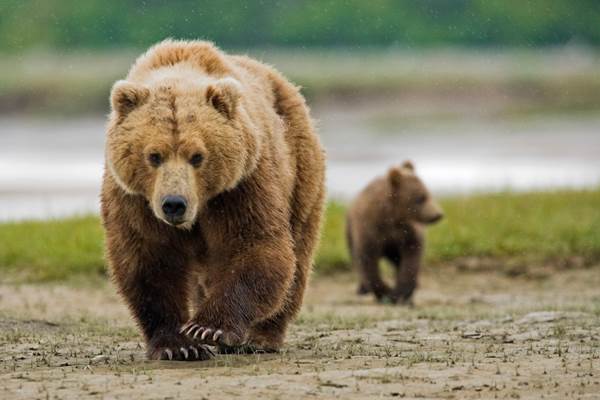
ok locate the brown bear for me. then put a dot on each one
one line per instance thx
(387, 220)
(212, 199)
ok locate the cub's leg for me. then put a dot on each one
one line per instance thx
(153, 282)
(393, 253)
(366, 261)
(406, 277)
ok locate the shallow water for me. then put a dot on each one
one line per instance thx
(53, 167)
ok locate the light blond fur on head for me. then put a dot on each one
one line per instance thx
(175, 107)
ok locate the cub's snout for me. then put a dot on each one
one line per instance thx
(435, 218)
(431, 212)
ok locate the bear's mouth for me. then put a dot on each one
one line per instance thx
(434, 219)
(180, 223)
(175, 221)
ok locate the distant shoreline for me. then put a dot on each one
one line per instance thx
(525, 81)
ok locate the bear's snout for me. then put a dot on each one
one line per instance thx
(174, 208)
(436, 218)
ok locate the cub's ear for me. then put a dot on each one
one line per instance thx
(224, 96)
(126, 96)
(408, 165)
(395, 176)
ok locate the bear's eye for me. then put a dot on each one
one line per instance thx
(155, 159)
(421, 199)
(196, 159)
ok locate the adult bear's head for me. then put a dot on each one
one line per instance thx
(179, 139)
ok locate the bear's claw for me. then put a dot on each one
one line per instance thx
(207, 335)
(184, 351)
(187, 329)
(210, 336)
(186, 354)
(177, 348)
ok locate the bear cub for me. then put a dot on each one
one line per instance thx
(387, 220)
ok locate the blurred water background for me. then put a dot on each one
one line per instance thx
(54, 167)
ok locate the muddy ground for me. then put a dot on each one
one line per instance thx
(469, 335)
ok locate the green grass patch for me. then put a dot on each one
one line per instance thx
(525, 228)
(536, 226)
(528, 228)
(51, 250)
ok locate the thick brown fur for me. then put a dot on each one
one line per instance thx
(234, 139)
(387, 220)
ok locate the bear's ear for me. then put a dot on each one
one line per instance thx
(224, 96)
(395, 176)
(408, 165)
(126, 96)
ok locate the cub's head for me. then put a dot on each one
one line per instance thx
(179, 144)
(411, 198)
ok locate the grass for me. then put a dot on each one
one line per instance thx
(72, 83)
(52, 250)
(550, 227)
(537, 226)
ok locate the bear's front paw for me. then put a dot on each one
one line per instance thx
(177, 348)
(207, 334)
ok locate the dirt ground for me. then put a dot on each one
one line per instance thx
(469, 336)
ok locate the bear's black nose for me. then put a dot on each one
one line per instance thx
(174, 207)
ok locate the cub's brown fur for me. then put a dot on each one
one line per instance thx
(387, 220)
(212, 199)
